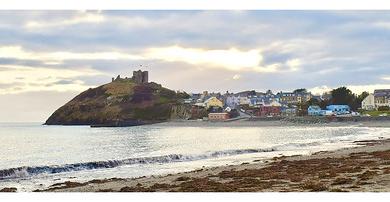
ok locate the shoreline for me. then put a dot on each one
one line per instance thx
(293, 122)
(364, 168)
(256, 121)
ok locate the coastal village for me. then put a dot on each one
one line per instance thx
(269, 104)
(300, 102)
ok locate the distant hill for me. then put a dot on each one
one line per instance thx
(122, 102)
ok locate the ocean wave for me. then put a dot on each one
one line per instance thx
(293, 146)
(27, 171)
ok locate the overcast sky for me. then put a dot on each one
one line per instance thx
(48, 57)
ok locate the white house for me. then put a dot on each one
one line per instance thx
(369, 102)
(232, 101)
(244, 101)
(200, 104)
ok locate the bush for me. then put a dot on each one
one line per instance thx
(383, 108)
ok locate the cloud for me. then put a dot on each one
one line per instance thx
(328, 70)
(294, 64)
(42, 79)
(80, 17)
(382, 24)
(236, 77)
(387, 78)
(268, 69)
(17, 52)
(231, 59)
(357, 89)
(297, 43)
(318, 90)
(369, 88)
(277, 50)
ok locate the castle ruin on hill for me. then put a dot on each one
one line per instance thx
(139, 77)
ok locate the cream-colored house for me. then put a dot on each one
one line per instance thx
(275, 104)
(369, 102)
(213, 102)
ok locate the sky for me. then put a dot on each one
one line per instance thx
(48, 57)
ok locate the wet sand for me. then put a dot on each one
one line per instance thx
(360, 169)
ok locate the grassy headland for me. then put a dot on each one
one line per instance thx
(119, 103)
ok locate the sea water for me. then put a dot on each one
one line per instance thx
(34, 156)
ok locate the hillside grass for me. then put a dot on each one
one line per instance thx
(157, 112)
(120, 88)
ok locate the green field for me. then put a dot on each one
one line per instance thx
(375, 113)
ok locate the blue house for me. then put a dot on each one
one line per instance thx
(339, 109)
(289, 111)
(254, 100)
(314, 110)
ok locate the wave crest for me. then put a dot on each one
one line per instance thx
(26, 171)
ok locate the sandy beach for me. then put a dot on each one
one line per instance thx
(360, 169)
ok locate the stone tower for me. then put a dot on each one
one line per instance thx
(140, 76)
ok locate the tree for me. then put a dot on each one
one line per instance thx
(362, 96)
(342, 96)
(182, 95)
(324, 103)
(300, 90)
(252, 93)
(302, 109)
(313, 101)
(359, 99)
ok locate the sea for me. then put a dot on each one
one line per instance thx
(35, 156)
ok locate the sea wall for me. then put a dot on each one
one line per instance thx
(321, 119)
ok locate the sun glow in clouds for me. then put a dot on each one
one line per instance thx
(232, 59)
(294, 64)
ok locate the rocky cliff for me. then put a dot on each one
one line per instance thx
(180, 112)
(120, 103)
